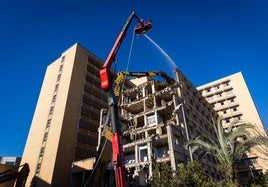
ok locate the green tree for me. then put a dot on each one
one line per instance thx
(228, 146)
(190, 175)
(162, 175)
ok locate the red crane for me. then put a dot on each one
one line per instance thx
(106, 85)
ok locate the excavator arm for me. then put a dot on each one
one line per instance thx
(122, 75)
(14, 174)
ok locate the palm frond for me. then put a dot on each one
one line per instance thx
(229, 146)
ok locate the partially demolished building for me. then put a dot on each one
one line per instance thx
(159, 117)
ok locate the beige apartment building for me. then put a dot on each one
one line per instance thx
(65, 124)
(231, 99)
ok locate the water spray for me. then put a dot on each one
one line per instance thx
(170, 61)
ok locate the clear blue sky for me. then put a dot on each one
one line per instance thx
(197, 34)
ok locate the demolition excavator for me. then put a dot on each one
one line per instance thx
(123, 75)
(107, 80)
(20, 176)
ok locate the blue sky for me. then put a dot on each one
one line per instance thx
(196, 34)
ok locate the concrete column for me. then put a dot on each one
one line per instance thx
(144, 95)
(171, 147)
(179, 83)
(153, 88)
(136, 153)
(143, 91)
(153, 92)
(176, 113)
(150, 154)
(136, 174)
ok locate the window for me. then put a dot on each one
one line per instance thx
(177, 141)
(224, 112)
(54, 98)
(10, 163)
(234, 109)
(42, 152)
(51, 110)
(56, 87)
(62, 59)
(188, 87)
(151, 120)
(226, 84)
(208, 90)
(229, 92)
(143, 153)
(38, 168)
(210, 98)
(219, 95)
(191, 101)
(222, 103)
(253, 161)
(48, 122)
(45, 137)
(237, 118)
(227, 120)
(59, 76)
(89, 59)
(194, 117)
(61, 67)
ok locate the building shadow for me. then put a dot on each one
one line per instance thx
(36, 181)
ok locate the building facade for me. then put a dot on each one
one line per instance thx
(10, 161)
(65, 122)
(231, 99)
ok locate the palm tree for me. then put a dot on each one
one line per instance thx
(229, 146)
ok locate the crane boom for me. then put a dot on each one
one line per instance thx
(106, 85)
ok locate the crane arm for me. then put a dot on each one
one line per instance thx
(105, 74)
(121, 78)
(168, 78)
(106, 85)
